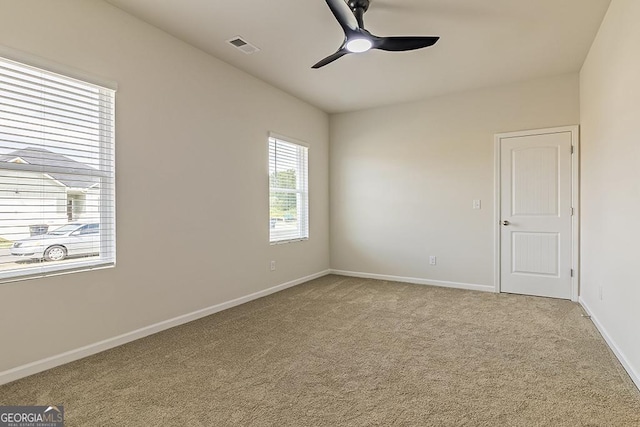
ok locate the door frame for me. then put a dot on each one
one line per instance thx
(575, 201)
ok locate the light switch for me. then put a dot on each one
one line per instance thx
(477, 204)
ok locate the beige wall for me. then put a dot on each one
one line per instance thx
(192, 203)
(403, 178)
(610, 116)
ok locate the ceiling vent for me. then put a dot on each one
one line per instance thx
(243, 45)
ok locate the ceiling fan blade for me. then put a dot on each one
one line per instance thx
(398, 44)
(343, 14)
(329, 59)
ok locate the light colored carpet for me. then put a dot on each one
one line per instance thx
(341, 351)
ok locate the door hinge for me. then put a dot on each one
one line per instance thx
(572, 149)
(572, 272)
(573, 211)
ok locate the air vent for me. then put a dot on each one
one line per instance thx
(243, 45)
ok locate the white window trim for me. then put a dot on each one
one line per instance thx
(306, 220)
(288, 139)
(41, 270)
(55, 67)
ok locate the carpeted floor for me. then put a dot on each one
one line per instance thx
(341, 351)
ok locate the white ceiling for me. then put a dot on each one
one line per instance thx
(483, 43)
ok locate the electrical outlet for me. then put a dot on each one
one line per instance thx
(477, 204)
(432, 260)
(273, 266)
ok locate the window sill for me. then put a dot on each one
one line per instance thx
(282, 242)
(52, 270)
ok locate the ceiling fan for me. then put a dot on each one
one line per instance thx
(350, 16)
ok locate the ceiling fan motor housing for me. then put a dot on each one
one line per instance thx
(359, 4)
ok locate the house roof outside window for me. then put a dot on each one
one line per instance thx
(80, 178)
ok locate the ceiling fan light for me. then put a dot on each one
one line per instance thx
(358, 45)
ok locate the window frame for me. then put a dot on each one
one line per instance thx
(304, 208)
(106, 171)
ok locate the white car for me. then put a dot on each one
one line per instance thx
(75, 239)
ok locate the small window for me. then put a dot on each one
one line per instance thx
(57, 183)
(288, 191)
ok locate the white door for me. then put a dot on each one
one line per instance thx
(536, 214)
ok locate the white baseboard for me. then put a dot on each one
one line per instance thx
(635, 376)
(414, 280)
(88, 350)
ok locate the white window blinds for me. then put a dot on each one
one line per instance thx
(288, 191)
(57, 187)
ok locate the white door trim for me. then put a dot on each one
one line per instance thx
(575, 201)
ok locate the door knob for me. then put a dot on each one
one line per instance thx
(505, 222)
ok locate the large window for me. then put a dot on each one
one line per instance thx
(288, 191)
(57, 189)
